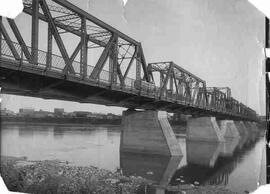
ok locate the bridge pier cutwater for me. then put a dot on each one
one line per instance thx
(209, 129)
(204, 129)
(228, 129)
(148, 132)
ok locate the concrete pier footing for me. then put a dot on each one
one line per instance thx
(148, 132)
(204, 129)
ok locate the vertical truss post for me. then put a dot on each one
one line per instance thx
(188, 91)
(110, 68)
(143, 64)
(193, 93)
(49, 48)
(171, 85)
(214, 101)
(114, 53)
(84, 44)
(113, 63)
(171, 82)
(205, 101)
(163, 88)
(0, 37)
(267, 87)
(138, 65)
(180, 90)
(35, 28)
(175, 83)
(161, 79)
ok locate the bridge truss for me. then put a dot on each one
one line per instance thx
(120, 53)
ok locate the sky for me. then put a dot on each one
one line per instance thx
(219, 41)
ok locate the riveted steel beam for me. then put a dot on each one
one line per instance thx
(49, 48)
(84, 45)
(0, 37)
(35, 30)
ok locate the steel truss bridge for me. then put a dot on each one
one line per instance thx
(72, 74)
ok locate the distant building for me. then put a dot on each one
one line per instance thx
(111, 116)
(42, 114)
(26, 112)
(6, 112)
(69, 114)
(82, 114)
(58, 112)
(99, 116)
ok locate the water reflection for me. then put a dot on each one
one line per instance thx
(80, 145)
(213, 163)
(157, 169)
(58, 132)
(202, 153)
(228, 147)
(206, 163)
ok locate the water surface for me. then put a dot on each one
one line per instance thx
(234, 164)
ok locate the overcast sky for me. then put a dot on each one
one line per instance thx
(220, 41)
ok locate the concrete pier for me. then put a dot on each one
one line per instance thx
(148, 132)
(254, 124)
(248, 127)
(204, 129)
(228, 129)
(228, 147)
(243, 131)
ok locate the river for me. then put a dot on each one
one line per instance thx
(236, 165)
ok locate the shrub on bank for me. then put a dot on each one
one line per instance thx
(58, 177)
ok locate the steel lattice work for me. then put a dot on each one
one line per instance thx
(70, 75)
(178, 83)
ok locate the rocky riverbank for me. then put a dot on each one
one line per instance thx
(56, 177)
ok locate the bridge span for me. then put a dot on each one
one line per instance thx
(69, 74)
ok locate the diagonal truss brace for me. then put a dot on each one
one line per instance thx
(9, 42)
(57, 37)
(102, 59)
(20, 40)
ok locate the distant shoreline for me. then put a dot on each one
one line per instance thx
(62, 121)
(59, 121)
(55, 124)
